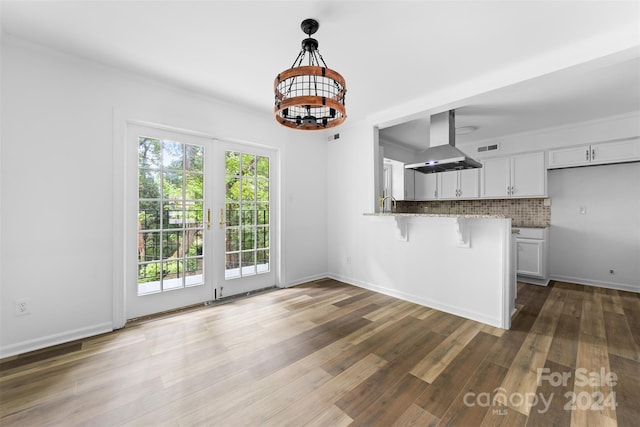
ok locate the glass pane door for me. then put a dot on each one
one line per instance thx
(245, 192)
(170, 215)
(247, 213)
(169, 196)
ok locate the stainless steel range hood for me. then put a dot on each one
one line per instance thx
(442, 154)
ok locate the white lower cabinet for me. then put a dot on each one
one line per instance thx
(530, 257)
(532, 246)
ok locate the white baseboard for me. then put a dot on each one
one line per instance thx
(54, 339)
(597, 283)
(307, 279)
(478, 317)
(533, 280)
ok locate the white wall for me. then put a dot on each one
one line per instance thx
(397, 152)
(57, 180)
(584, 247)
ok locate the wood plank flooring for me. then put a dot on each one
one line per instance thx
(329, 354)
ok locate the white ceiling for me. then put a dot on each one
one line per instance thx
(390, 52)
(557, 99)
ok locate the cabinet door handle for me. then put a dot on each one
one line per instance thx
(435, 193)
(593, 153)
(513, 190)
(586, 156)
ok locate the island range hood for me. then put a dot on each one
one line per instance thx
(442, 154)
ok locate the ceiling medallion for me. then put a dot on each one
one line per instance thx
(311, 96)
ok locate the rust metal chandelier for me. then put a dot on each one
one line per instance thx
(311, 96)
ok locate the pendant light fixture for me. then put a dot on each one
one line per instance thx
(309, 95)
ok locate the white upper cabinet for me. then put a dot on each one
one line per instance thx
(522, 175)
(567, 157)
(449, 185)
(426, 186)
(459, 184)
(469, 183)
(495, 179)
(595, 154)
(528, 175)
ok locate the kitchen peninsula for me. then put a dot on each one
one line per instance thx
(457, 263)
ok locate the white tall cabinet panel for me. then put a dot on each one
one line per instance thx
(409, 184)
(398, 181)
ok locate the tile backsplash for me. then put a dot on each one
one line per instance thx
(523, 212)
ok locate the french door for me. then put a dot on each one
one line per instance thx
(245, 207)
(199, 219)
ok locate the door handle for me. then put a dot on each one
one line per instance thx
(222, 221)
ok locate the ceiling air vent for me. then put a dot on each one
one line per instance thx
(491, 147)
(333, 137)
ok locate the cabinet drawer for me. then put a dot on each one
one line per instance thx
(529, 233)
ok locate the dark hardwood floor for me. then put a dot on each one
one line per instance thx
(330, 354)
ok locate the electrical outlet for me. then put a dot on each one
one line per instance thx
(23, 306)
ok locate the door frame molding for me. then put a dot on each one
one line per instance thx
(122, 119)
